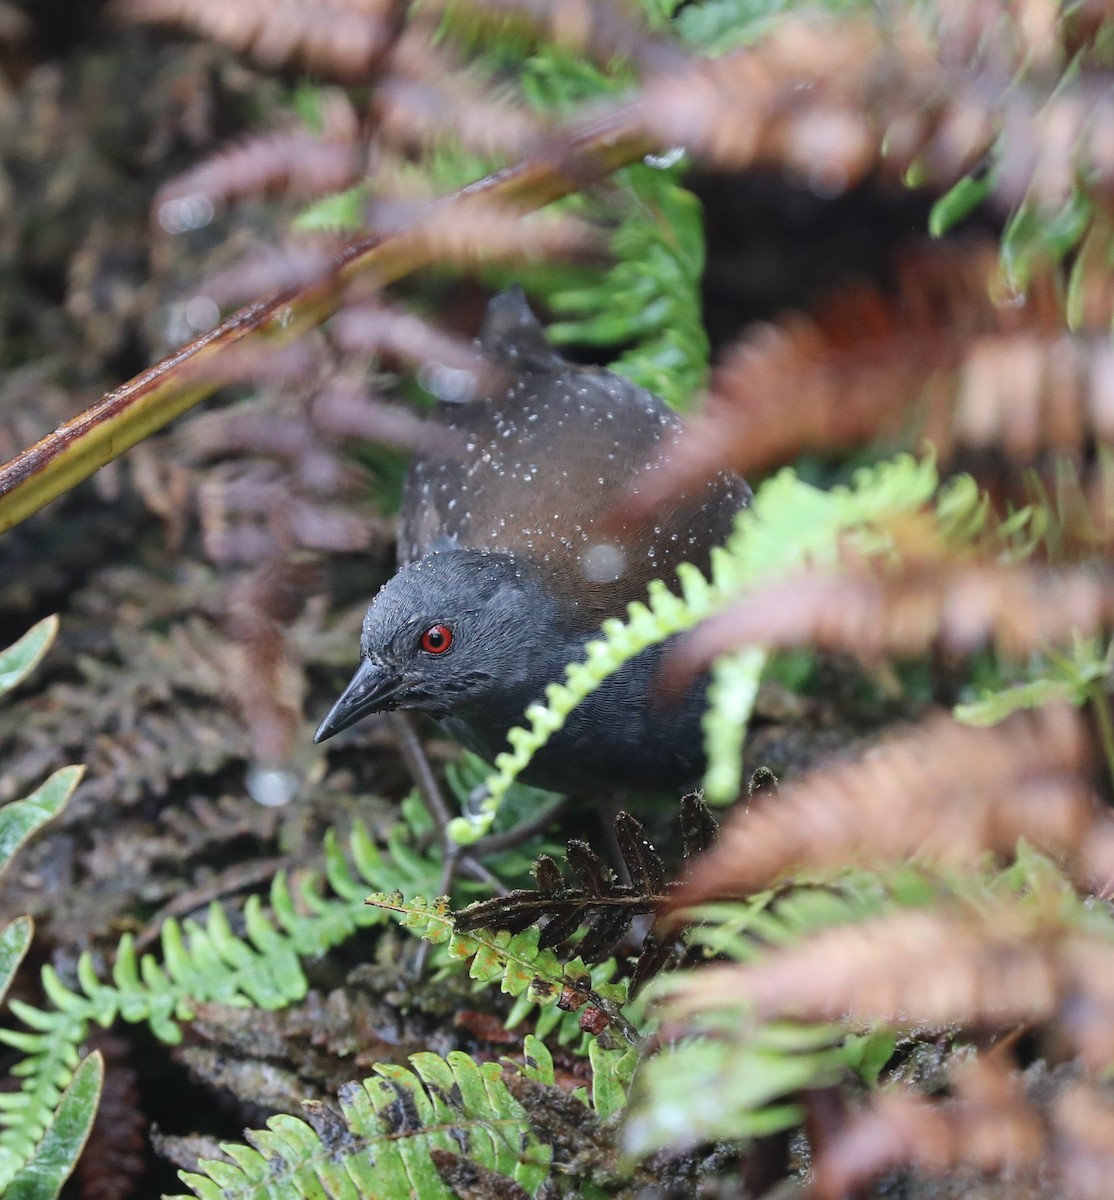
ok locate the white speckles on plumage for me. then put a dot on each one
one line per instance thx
(522, 560)
(581, 436)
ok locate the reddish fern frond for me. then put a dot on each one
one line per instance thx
(945, 793)
(249, 515)
(378, 329)
(345, 408)
(989, 1126)
(455, 108)
(294, 163)
(344, 39)
(951, 360)
(1083, 1120)
(873, 613)
(275, 270)
(981, 967)
(477, 232)
(256, 664)
(749, 108)
(821, 98)
(294, 363)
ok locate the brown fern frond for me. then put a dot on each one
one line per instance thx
(269, 476)
(821, 98)
(269, 271)
(595, 898)
(295, 363)
(479, 231)
(345, 39)
(946, 357)
(417, 112)
(346, 409)
(873, 614)
(258, 673)
(1083, 1123)
(946, 793)
(468, 1180)
(293, 162)
(981, 966)
(379, 329)
(989, 1126)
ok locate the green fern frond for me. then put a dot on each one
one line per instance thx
(707, 1088)
(612, 1071)
(20, 819)
(1038, 233)
(21, 658)
(731, 696)
(43, 1126)
(395, 1128)
(789, 525)
(199, 963)
(537, 978)
(386, 1140)
(651, 295)
(732, 1079)
(1078, 676)
(716, 26)
(14, 943)
(49, 1165)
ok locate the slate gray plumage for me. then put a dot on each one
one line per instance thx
(502, 546)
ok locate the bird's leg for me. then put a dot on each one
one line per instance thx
(414, 756)
(458, 860)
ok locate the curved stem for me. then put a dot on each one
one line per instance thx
(145, 404)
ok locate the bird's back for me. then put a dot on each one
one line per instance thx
(537, 467)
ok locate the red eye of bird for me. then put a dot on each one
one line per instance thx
(436, 639)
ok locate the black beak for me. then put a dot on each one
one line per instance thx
(370, 690)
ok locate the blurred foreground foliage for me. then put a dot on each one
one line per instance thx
(897, 973)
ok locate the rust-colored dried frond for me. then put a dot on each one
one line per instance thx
(801, 99)
(294, 363)
(267, 272)
(821, 98)
(989, 1125)
(345, 39)
(946, 793)
(1083, 1119)
(379, 329)
(985, 965)
(249, 515)
(453, 106)
(947, 356)
(294, 163)
(345, 409)
(270, 475)
(874, 613)
(476, 231)
(432, 97)
(257, 670)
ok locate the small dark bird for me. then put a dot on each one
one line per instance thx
(507, 566)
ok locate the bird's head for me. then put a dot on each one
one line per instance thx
(454, 630)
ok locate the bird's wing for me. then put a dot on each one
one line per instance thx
(540, 469)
